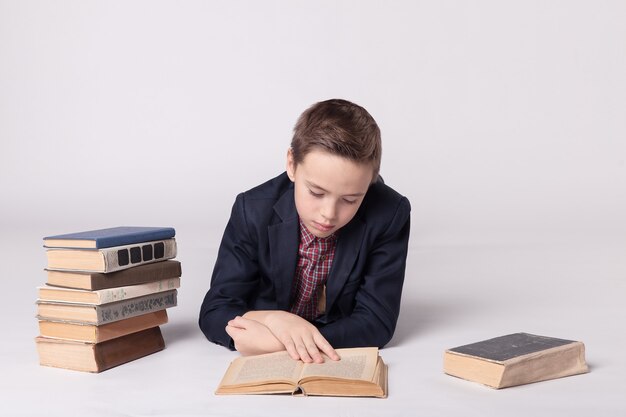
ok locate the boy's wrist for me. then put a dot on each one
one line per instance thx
(265, 317)
(261, 316)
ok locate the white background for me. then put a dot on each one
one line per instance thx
(503, 122)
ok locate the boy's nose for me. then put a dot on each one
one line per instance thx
(329, 210)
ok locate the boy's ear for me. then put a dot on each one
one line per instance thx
(291, 165)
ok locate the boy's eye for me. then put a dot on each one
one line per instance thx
(349, 201)
(314, 194)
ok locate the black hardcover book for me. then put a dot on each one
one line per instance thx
(515, 359)
(510, 346)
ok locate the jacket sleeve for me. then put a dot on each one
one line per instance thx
(377, 301)
(234, 278)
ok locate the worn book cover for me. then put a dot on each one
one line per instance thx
(516, 359)
(98, 357)
(109, 295)
(111, 259)
(106, 313)
(91, 333)
(150, 272)
(106, 238)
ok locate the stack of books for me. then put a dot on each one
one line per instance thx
(106, 296)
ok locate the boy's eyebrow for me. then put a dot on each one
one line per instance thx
(313, 185)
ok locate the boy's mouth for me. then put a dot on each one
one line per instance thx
(323, 227)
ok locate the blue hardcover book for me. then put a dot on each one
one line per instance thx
(107, 238)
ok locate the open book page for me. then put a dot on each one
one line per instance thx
(355, 363)
(276, 366)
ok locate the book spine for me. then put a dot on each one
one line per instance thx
(98, 281)
(128, 348)
(112, 295)
(124, 257)
(108, 313)
(142, 274)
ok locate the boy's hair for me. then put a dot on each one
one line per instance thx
(341, 128)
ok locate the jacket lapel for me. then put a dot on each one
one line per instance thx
(348, 246)
(283, 243)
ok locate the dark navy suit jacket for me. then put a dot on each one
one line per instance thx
(257, 258)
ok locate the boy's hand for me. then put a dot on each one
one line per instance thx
(302, 340)
(252, 337)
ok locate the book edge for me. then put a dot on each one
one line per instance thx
(126, 234)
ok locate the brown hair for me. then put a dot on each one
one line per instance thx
(341, 128)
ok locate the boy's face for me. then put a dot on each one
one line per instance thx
(328, 190)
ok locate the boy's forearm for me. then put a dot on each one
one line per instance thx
(268, 317)
(259, 315)
(251, 337)
(301, 339)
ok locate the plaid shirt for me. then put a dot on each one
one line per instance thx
(315, 257)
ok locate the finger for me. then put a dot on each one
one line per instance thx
(314, 352)
(239, 321)
(233, 323)
(233, 331)
(325, 347)
(303, 352)
(291, 348)
(311, 348)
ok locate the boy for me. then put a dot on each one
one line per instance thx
(314, 258)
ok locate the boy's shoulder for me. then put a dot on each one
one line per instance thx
(382, 203)
(262, 202)
(380, 194)
(381, 189)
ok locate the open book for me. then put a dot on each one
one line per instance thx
(361, 372)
